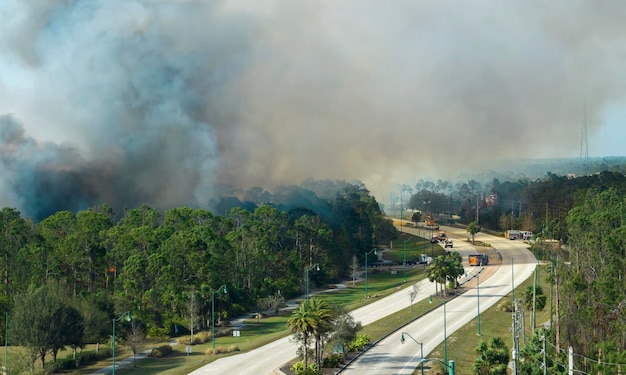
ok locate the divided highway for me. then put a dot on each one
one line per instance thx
(390, 356)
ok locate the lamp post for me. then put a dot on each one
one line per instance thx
(405, 260)
(127, 315)
(421, 348)
(317, 268)
(478, 300)
(366, 254)
(213, 315)
(6, 339)
(445, 336)
(449, 365)
(432, 249)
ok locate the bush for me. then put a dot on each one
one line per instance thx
(84, 357)
(158, 332)
(333, 361)
(226, 331)
(89, 356)
(161, 351)
(505, 306)
(360, 342)
(50, 368)
(198, 339)
(222, 350)
(66, 363)
(298, 369)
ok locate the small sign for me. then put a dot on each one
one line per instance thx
(188, 349)
(236, 333)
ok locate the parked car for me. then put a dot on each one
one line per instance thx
(449, 243)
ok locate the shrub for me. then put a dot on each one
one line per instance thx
(50, 368)
(158, 332)
(198, 339)
(333, 361)
(298, 369)
(66, 364)
(161, 351)
(89, 356)
(226, 331)
(360, 342)
(217, 350)
(505, 306)
(222, 350)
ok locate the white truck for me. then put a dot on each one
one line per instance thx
(425, 259)
(513, 234)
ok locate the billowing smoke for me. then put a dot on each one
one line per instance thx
(168, 102)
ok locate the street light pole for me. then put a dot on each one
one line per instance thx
(432, 249)
(317, 268)
(449, 365)
(478, 300)
(213, 315)
(405, 260)
(421, 348)
(375, 253)
(6, 339)
(445, 336)
(127, 315)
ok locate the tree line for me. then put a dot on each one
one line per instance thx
(539, 205)
(166, 267)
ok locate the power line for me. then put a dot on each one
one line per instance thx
(584, 145)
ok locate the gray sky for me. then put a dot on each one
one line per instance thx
(162, 102)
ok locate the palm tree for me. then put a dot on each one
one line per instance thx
(437, 272)
(454, 268)
(302, 321)
(473, 228)
(324, 317)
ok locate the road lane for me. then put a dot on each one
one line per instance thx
(390, 356)
(270, 357)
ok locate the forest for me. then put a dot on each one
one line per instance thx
(165, 267)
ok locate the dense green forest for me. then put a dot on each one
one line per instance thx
(541, 205)
(586, 219)
(88, 267)
(165, 267)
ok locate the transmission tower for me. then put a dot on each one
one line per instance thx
(584, 145)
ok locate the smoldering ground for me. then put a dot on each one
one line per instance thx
(169, 102)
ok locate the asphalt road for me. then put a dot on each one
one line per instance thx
(390, 356)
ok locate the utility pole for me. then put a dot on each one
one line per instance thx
(477, 208)
(534, 314)
(570, 361)
(515, 329)
(545, 364)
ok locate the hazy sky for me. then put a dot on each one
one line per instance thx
(167, 102)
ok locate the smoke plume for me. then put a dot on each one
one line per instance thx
(169, 103)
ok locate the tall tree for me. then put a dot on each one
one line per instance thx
(472, 229)
(302, 322)
(42, 323)
(324, 318)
